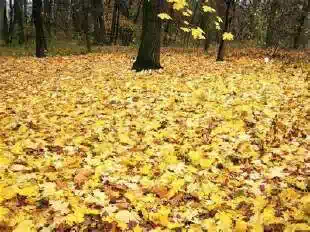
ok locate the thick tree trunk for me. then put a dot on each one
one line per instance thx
(38, 22)
(221, 49)
(2, 10)
(301, 24)
(149, 51)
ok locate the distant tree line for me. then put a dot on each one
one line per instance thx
(264, 23)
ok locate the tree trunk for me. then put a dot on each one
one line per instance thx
(205, 25)
(76, 16)
(99, 27)
(115, 18)
(38, 22)
(20, 21)
(221, 49)
(270, 23)
(48, 16)
(301, 23)
(12, 22)
(2, 15)
(138, 12)
(149, 51)
(86, 24)
(25, 11)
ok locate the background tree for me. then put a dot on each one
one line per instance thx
(38, 22)
(86, 10)
(302, 26)
(228, 5)
(2, 10)
(99, 26)
(149, 50)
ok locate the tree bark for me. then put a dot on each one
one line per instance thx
(99, 27)
(12, 22)
(270, 24)
(2, 15)
(86, 24)
(76, 16)
(149, 50)
(20, 20)
(138, 12)
(25, 11)
(48, 16)
(38, 22)
(301, 24)
(221, 49)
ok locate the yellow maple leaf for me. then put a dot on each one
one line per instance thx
(3, 213)
(25, 226)
(228, 36)
(197, 33)
(208, 9)
(17, 148)
(209, 224)
(176, 186)
(164, 16)
(241, 226)
(195, 156)
(137, 228)
(29, 191)
(225, 221)
(206, 163)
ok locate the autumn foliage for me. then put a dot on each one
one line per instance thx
(86, 144)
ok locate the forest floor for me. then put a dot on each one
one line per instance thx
(86, 144)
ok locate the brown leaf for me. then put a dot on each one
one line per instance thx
(61, 184)
(82, 176)
(160, 191)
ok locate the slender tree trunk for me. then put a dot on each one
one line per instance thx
(25, 11)
(86, 24)
(18, 14)
(98, 12)
(253, 21)
(301, 23)
(221, 49)
(38, 22)
(149, 51)
(138, 12)
(270, 23)
(205, 25)
(188, 35)
(12, 22)
(2, 15)
(114, 21)
(76, 16)
(166, 39)
(48, 16)
(6, 25)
